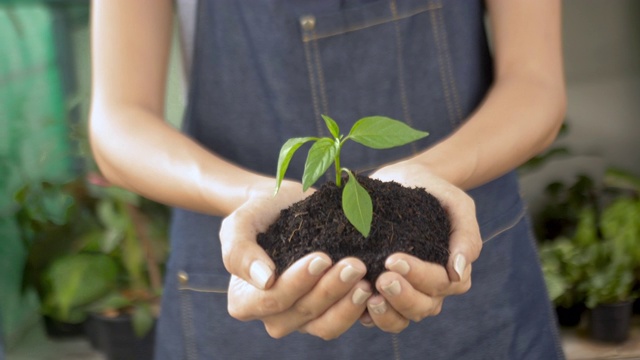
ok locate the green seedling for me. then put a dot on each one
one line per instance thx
(377, 132)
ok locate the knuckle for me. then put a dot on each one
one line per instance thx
(325, 334)
(267, 304)
(275, 331)
(419, 317)
(442, 287)
(437, 309)
(423, 314)
(399, 326)
(470, 202)
(238, 312)
(304, 311)
(465, 286)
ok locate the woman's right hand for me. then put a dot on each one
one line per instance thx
(311, 296)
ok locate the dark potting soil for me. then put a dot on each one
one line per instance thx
(408, 220)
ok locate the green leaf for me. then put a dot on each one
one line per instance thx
(321, 156)
(622, 179)
(586, 230)
(357, 205)
(112, 301)
(142, 319)
(56, 206)
(381, 132)
(332, 125)
(286, 153)
(78, 280)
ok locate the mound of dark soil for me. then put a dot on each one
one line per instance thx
(405, 219)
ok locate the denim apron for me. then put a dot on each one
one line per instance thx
(264, 71)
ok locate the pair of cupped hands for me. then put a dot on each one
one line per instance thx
(324, 299)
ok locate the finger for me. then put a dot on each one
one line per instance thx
(384, 316)
(342, 315)
(465, 242)
(428, 278)
(407, 301)
(247, 302)
(333, 286)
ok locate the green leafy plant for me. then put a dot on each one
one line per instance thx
(596, 255)
(113, 261)
(133, 233)
(377, 132)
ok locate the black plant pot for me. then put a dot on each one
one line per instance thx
(114, 336)
(611, 322)
(636, 306)
(58, 329)
(571, 316)
(92, 330)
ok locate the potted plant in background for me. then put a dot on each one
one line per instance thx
(114, 280)
(562, 262)
(599, 261)
(560, 225)
(134, 233)
(616, 258)
(44, 212)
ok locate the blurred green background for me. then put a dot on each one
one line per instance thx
(44, 100)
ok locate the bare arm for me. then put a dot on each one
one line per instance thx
(136, 149)
(520, 116)
(526, 105)
(132, 144)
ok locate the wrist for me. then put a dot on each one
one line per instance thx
(454, 167)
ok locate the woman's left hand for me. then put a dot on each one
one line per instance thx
(413, 289)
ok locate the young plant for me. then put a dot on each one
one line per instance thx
(377, 132)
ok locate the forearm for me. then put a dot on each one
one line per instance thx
(520, 117)
(136, 150)
(524, 109)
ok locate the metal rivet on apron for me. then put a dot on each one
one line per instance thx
(183, 277)
(308, 22)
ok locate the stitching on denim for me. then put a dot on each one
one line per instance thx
(509, 226)
(322, 89)
(204, 290)
(312, 85)
(400, 65)
(315, 36)
(449, 68)
(396, 346)
(445, 85)
(187, 326)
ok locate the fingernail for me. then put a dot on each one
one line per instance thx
(459, 264)
(378, 309)
(400, 266)
(360, 296)
(393, 288)
(318, 265)
(349, 274)
(260, 273)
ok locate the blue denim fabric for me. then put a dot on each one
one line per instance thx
(263, 72)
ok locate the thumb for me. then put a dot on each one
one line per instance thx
(465, 242)
(241, 254)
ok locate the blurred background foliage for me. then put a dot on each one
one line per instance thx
(60, 229)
